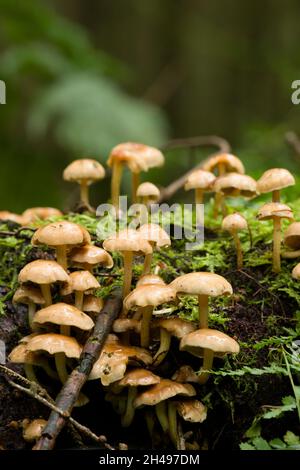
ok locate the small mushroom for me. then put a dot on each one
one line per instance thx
(275, 211)
(292, 240)
(127, 242)
(123, 325)
(157, 237)
(273, 181)
(132, 380)
(6, 215)
(233, 224)
(201, 181)
(84, 172)
(33, 214)
(92, 304)
(31, 296)
(80, 282)
(44, 273)
(185, 374)
(32, 431)
(148, 193)
(207, 343)
(296, 272)
(147, 297)
(61, 236)
(153, 279)
(192, 411)
(204, 285)
(20, 355)
(138, 157)
(89, 256)
(169, 327)
(234, 185)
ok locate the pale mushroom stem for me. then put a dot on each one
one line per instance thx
(161, 413)
(128, 256)
(276, 196)
(276, 244)
(238, 248)
(65, 330)
(199, 200)
(135, 181)
(61, 256)
(46, 291)
(84, 192)
(49, 371)
(146, 201)
(31, 312)
(203, 310)
(208, 359)
(129, 412)
(61, 367)
(117, 172)
(173, 429)
(165, 342)
(198, 196)
(150, 422)
(219, 196)
(145, 326)
(79, 300)
(30, 374)
(147, 263)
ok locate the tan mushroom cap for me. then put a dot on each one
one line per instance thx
(84, 169)
(121, 325)
(91, 303)
(274, 180)
(80, 281)
(207, 338)
(154, 234)
(21, 355)
(201, 283)
(235, 184)
(152, 279)
(61, 233)
(6, 215)
(292, 236)
(40, 213)
(138, 157)
(162, 391)
(200, 179)
(231, 163)
(138, 378)
(54, 343)
(27, 294)
(148, 189)
(43, 272)
(234, 222)
(175, 326)
(33, 430)
(274, 209)
(92, 255)
(148, 295)
(127, 240)
(185, 374)
(64, 314)
(296, 272)
(192, 411)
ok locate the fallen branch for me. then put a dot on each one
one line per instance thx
(191, 143)
(69, 393)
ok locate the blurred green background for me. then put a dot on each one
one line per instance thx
(82, 76)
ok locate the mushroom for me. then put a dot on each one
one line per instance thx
(138, 157)
(234, 223)
(234, 185)
(148, 193)
(65, 316)
(158, 395)
(34, 214)
(20, 355)
(44, 273)
(147, 297)
(207, 343)
(223, 163)
(201, 181)
(31, 296)
(61, 235)
(92, 304)
(292, 240)
(273, 181)
(296, 272)
(127, 242)
(275, 211)
(80, 282)
(90, 256)
(6, 215)
(192, 411)
(84, 172)
(157, 237)
(185, 374)
(204, 285)
(32, 431)
(169, 327)
(132, 380)
(123, 325)
(58, 345)
(153, 279)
